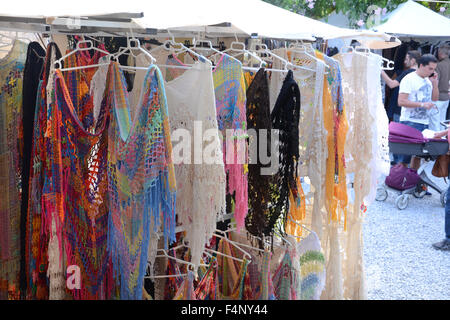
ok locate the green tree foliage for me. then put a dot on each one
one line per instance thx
(358, 11)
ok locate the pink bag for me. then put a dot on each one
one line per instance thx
(402, 178)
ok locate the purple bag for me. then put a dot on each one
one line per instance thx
(402, 178)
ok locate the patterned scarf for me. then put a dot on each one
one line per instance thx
(141, 177)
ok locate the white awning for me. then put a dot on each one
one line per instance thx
(414, 20)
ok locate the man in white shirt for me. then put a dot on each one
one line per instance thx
(417, 92)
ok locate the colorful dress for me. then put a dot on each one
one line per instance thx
(11, 134)
(75, 195)
(141, 178)
(37, 234)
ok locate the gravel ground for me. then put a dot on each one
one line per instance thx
(400, 262)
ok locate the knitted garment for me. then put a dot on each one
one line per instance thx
(312, 266)
(230, 95)
(37, 233)
(11, 148)
(297, 211)
(79, 84)
(248, 78)
(208, 285)
(141, 179)
(313, 153)
(380, 162)
(75, 197)
(336, 124)
(336, 202)
(199, 172)
(232, 276)
(261, 277)
(284, 279)
(359, 154)
(172, 284)
(262, 213)
(312, 147)
(31, 79)
(186, 290)
(285, 118)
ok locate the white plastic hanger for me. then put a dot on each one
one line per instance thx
(364, 51)
(166, 255)
(165, 276)
(179, 48)
(246, 254)
(300, 225)
(13, 38)
(303, 49)
(277, 234)
(6, 46)
(89, 46)
(262, 49)
(133, 44)
(239, 48)
(265, 241)
(209, 47)
(239, 243)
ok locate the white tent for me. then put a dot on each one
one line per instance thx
(411, 19)
(233, 17)
(242, 16)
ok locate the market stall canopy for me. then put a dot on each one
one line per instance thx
(244, 18)
(372, 40)
(80, 8)
(241, 18)
(80, 16)
(411, 19)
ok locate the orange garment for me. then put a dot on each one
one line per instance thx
(336, 124)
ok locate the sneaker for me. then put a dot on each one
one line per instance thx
(443, 245)
(428, 193)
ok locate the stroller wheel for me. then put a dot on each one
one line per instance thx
(402, 201)
(381, 194)
(444, 198)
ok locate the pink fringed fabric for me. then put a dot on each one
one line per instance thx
(229, 84)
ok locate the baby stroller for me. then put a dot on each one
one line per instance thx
(404, 139)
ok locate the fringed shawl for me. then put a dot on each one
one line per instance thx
(141, 177)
